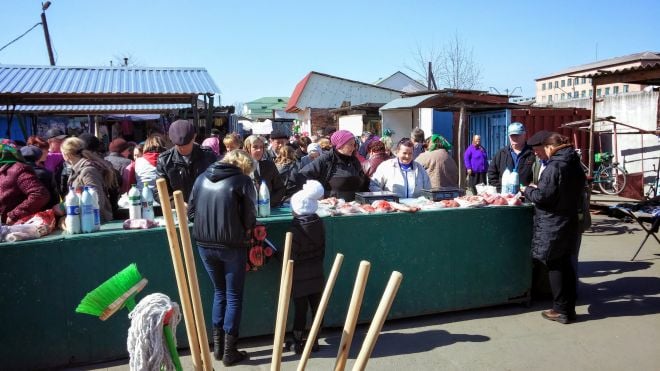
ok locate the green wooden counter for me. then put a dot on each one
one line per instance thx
(450, 259)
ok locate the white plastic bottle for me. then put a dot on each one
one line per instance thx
(505, 180)
(134, 203)
(95, 207)
(72, 204)
(87, 211)
(147, 202)
(264, 200)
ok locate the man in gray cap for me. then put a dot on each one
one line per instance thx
(181, 164)
(278, 138)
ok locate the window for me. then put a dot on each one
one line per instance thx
(549, 98)
(562, 96)
(584, 81)
(598, 92)
(556, 84)
(570, 82)
(615, 90)
(577, 80)
(584, 93)
(563, 83)
(591, 92)
(543, 86)
(607, 91)
(625, 88)
(576, 94)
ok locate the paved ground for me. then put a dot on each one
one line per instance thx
(618, 324)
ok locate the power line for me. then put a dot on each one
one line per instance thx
(16, 39)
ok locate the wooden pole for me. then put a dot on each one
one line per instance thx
(352, 316)
(323, 305)
(591, 128)
(193, 283)
(280, 322)
(378, 321)
(461, 150)
(286, 255)
(179, 273)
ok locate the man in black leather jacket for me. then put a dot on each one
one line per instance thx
(181, 164)
(517, 156)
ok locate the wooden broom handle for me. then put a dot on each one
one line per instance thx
(352, 316)
(193, 283)
(179, 273)
(286, 255)
(378, 321)
(323, 305)
(282, 314)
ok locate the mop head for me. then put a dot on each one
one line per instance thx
(146, 342)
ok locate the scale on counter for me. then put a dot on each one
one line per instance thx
(442, 193)
(369, 197)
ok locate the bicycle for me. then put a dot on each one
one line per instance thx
(610, 177)
(653, 185)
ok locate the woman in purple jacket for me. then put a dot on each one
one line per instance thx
(476, 163)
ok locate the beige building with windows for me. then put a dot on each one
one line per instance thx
(565, 85)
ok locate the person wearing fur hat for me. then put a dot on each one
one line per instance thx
(339, 171)
(307, 252)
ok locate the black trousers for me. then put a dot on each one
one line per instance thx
(476, 178)
(563, 284)
(301, 305)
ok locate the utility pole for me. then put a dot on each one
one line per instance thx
(45, 6)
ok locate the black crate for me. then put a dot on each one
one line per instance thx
(443, 193)
(369, 197)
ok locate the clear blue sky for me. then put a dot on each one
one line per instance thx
(263, 48)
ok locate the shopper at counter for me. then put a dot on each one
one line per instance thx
(32, 154)
(264, 169)
(518, 155)
(338, 170)
(476, 163)
(145, 165)
(181, 164)
(438, 163)
(222, 207)
(288, 168)
(88, 169)
(556, 200)
(401, 174)
(376, 154)
(21, 192)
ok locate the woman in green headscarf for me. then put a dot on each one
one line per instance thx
(438, 163)
(21, 192)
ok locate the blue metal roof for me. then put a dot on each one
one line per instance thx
(27, 80)
(93, 108)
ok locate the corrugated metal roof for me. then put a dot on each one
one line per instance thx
(15, 79)
(319, 90)
(264, 107)
(401, 81)
(645, 67)
(637, 57)
(407, 102)
(95, 108)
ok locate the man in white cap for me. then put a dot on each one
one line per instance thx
(518, 155)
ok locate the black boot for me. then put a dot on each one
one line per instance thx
(218, 343)
(232, 355)
(298, 344)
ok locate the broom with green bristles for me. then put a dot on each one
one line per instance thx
(113, 294)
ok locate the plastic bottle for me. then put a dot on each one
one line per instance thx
(147, 203)
(72, 204)
(87, 211)
(505, 180)
(264, 200)
(95, 207)
(134, 203)
(514, 181)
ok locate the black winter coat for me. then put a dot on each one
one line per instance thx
(180, 175)
(503, 160)
(222, 205)
(307, 252)
(556, 201)
(335, 165)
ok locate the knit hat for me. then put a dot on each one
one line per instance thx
(341, 137)
(31, 153)
(305, 201)
(181, 132)
(314, 147)
(118, 145)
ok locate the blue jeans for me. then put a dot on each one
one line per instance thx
(226, 267)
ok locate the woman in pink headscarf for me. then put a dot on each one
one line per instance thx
(338, 170)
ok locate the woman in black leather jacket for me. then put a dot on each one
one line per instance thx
(222, 205)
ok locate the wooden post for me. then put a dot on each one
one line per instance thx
(323, 305)
(352, 316)
(191, 270)
(280, 322)
(378, 321)
(461, 149)
(592, 127)
(179, 273)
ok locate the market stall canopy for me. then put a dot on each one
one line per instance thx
(57, 85)
(646, 74)
(451, 100)
(97, 109)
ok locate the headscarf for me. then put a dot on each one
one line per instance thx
(9, 154)
(438, 141)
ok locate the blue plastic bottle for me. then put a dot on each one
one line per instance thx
(87, 211)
